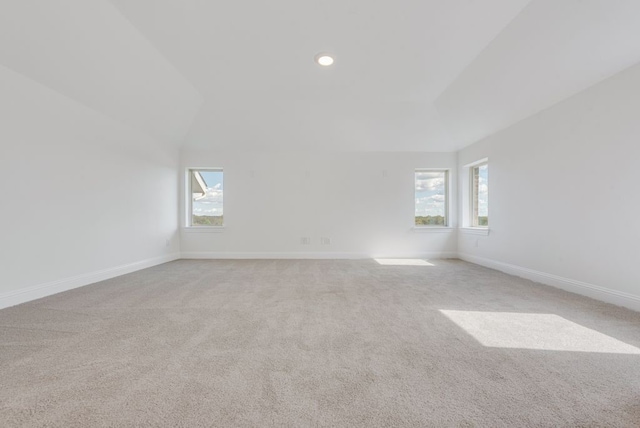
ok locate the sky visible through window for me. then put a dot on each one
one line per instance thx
(483, 191)
(430, 194)
(211, 204)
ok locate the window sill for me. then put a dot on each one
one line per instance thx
(484, 231)
(432, 229)
(203, 229)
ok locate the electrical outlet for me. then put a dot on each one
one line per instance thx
(168, 242)
(305, 241)
(325, 241)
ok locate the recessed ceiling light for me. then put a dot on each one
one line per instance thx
(324, 59)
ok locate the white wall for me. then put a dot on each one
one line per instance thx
(564, 195)
(364, 202)
(82, 196)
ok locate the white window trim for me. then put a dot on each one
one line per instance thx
(467, 203)
(447, 209)
(484, 230)
(432, 229)
(476, 163)
(188, 227)
(203, 229)
(472, 193)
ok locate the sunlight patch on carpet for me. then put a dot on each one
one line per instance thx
(547, 332)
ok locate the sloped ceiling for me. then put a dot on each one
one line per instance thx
(253, 61)
(550, 51)
(89, 52)
(418, 75)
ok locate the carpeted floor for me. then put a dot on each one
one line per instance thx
(318, 343)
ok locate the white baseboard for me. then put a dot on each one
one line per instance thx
(583, 288)
(311, 255)
(39, 291)
(270, 255)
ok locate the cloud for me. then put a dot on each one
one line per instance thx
(213, 195)
(426, 175)
(211, 203)
(201, 211)
(430, 205)
(429, 184)
(437, 198)
(429, 180)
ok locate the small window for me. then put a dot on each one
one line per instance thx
(479, 195)
(206, 197)
(431, 196)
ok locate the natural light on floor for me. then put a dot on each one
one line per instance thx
(403, 262)
(547, 332)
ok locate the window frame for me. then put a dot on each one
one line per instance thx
(189, 199)
(473, 192)
(447, 199)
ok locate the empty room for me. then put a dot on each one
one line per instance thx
(337, 213)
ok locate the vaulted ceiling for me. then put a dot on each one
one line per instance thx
(423, 75)
(88, 51)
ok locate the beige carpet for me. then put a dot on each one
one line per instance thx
(318, 343)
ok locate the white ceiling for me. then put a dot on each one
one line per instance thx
(88, 51)
(253, 61)
(550, 51)
(410, 75)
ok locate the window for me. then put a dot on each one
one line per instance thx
(431, 195)
(479, 195)
(206, 197)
